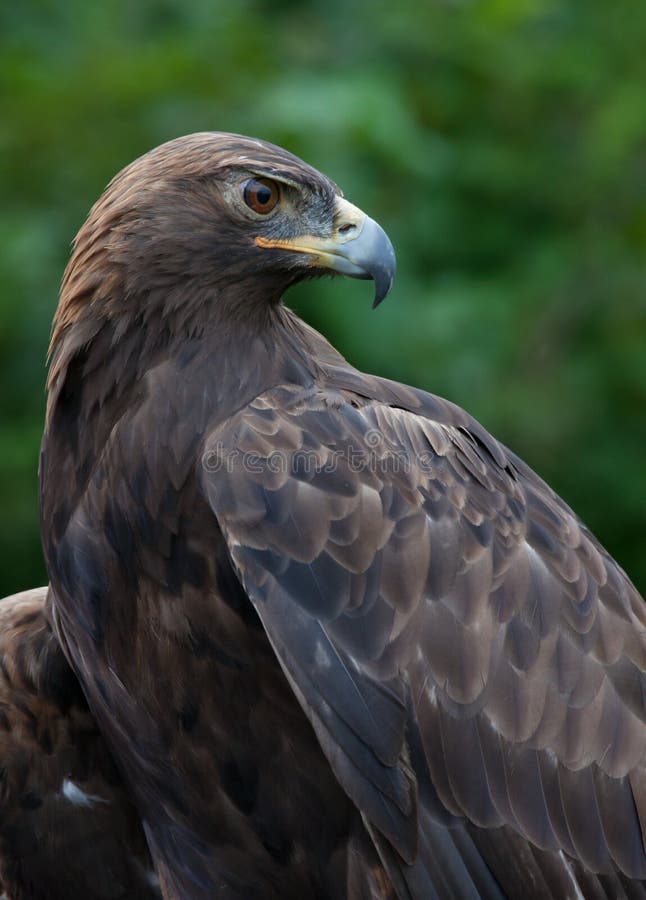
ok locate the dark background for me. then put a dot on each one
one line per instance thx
(501, 143)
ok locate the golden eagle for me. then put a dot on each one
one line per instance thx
(339, 641)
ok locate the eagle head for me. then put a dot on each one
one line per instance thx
(209, 215)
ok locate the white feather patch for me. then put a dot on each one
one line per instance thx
(78, 797)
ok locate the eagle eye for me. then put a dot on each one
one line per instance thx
(261, 195)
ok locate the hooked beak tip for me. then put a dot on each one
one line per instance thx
(373, 255)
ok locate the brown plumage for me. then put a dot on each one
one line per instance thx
(340, 642)
(68, 828)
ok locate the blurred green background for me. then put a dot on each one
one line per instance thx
(501, 143)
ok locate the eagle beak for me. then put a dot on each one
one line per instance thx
(358, 247)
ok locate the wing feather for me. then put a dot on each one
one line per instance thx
(423, 589)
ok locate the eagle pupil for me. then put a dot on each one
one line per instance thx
(263, 195)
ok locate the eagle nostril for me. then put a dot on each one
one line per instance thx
(347, 228)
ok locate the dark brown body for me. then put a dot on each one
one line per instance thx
(232, 786)
(68, 828)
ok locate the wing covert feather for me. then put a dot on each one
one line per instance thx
(392, 544)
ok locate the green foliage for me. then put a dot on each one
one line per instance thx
(502, 143)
